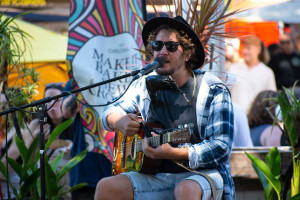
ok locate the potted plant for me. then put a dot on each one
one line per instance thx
(269, 171)
(11, 53)
(29, 172)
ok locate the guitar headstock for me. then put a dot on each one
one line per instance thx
(182, 135)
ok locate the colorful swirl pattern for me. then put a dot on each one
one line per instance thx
(89, 18)
(103, 17)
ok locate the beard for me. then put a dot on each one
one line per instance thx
(163, 72)
(171, 65)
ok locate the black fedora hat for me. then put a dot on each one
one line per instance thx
(177, 23)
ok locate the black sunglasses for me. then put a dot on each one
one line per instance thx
(285, 42)
(171, 46)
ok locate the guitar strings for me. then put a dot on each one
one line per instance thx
(129, 144)
(153, 139)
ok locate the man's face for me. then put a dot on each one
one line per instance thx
(229, 55)
(174, 62)
(285, 44)
(251, 52)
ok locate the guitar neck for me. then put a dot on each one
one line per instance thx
(154, 141)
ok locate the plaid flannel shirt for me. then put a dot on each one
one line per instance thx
(214, 119)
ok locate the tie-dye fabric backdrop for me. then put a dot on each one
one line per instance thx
(103, 36)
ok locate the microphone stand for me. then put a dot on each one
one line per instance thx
(41, 112)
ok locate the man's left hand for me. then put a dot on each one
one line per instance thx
(165, 151)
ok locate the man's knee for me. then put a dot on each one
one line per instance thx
(114, 186)
(188, 189)
(101, 188)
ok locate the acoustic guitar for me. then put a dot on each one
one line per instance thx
(128, 154)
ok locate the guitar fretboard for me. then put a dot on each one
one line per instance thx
(153, 141)
(167, 137)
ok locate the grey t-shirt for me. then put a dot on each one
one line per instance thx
(172, 110)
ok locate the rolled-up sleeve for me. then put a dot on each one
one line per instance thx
(129, 103)
(109, 109)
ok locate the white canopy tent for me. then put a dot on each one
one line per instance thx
(286, 12)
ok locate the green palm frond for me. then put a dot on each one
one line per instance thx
(13, 44)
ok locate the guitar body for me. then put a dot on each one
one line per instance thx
(132, 163)
(128, 154)
(137, 163)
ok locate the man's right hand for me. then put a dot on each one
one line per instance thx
(128, 125)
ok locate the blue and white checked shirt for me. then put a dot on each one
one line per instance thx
(214, 119)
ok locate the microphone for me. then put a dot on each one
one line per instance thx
(157, 63)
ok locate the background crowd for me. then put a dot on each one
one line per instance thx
(258, 74)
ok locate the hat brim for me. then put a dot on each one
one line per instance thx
(154, 23)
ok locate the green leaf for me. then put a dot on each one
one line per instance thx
(296, 197)
(75, 187)
(273, 160)
(284, 103)
(29, 162)
(38, 186)
(286, 108)
(57, 131)
(3, 169)
(74, 161)
(270, 193)
(29, 183)
(266, 171)
(51, 181)
(56, 161)
(61, 188)
(263, 180)
(15, 191)
(37, 157)
(22, 148)
(17, 168)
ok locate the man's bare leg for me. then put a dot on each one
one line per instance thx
(188, 190)
(114, 187)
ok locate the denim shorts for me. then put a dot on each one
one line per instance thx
(162, 185)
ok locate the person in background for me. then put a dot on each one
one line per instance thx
(286, 64)
(12, 152)
(273, 49)
(54, 118)
(62, 144)
(241, 134)
(253, 76)
(263, 133)
(264, 55)
(231, 52)
(297, 42)
(95, 165)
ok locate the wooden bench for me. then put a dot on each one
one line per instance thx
(245, 178)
